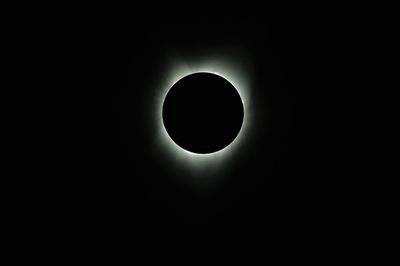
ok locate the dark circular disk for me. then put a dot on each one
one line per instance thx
(203, 113)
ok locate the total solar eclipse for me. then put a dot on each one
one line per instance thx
(203, 113)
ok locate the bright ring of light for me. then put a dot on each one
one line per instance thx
(229, 71)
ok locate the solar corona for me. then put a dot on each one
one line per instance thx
(199, 156)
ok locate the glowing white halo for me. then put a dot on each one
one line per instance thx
(194, 161)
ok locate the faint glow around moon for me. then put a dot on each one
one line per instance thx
(232, 71)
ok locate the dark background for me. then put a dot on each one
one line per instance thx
(286, 180)
(84, 171)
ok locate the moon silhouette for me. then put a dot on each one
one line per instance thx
(203, 113)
